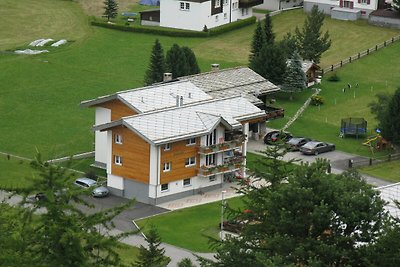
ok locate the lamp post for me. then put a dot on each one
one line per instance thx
(222, 213)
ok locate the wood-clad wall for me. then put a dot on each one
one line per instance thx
(118, 109)
(135, 153)
(177, 156)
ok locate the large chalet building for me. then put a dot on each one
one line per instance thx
(180, 137)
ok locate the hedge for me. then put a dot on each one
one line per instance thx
(175, 32)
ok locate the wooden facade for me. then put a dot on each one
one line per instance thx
(118, 109)
(135, 154)
(177, 155)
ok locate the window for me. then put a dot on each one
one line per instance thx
(118, 160)
(347, 4)
(167, 147)
(212, 178)
(167, 166)
(191, 141)
(164, 187)
(186, 182)
(211, 139)
(225, 2)
(187, 6)
(217, 3)
(190, 162)
(184, 6)
(210, 159)
(118, 139)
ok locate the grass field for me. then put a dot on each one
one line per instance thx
(389, 170)
(200, 223)
(14, 173)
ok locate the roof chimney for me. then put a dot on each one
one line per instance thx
(167, 77)
(181, 101)
(190, 95)
(178, 103)
(214, 67)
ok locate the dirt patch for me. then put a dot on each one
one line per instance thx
(96, 7)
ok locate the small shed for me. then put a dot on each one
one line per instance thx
(310, 69)
(150, 17)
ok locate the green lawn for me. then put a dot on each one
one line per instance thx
(15, 173)
(191, 227)
(128, 254)
(388, 170)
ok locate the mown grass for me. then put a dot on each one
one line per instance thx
(128, 254)
(27, 20)
(15, 173)
(389, 171)
(190, 228)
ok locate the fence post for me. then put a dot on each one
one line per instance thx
(322, 72)
(332, 68)
(384, 43)
(358, 55)
(368, 51)
(341, 63)
(389, 157)
(329, 168)
(349, 59)
(376, 47)
(392, 39)
(350, 163)
(370, 161)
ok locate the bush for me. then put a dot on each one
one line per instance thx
(91, 174)
(334, 78)
(317, 100)
(175, 32)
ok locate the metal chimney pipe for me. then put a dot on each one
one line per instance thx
(167, 77)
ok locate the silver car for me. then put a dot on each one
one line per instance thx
(98, 191)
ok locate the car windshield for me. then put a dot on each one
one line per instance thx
(310, 145)
(294, 141)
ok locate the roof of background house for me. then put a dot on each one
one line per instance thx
(305, 65)
(390, 193)
(155, 97)
(179, 123)
(214, 82)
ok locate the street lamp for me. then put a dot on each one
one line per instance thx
(222, 213)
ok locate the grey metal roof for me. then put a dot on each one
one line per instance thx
(231, 82)
(179, 123)
(390, 193)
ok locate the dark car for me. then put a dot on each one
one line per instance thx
(295, 143)
(275, 136)
(315, 148)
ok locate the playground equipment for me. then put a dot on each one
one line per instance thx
(353, 126)
(376, 141)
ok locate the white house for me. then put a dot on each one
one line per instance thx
(345, 9)
(279, 4)
(195, 14)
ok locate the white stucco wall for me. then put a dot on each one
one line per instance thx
(274, 4)
(114, 181)
(103, 115)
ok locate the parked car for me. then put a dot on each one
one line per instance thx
(295, 143)
(275, 136)
(315, 148)
(98, 191)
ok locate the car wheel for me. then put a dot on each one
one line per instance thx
(316, 153)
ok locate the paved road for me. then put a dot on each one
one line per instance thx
(339, 160)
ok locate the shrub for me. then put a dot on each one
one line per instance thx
(317, 100)
(205, 29)
(334, 78)
(91, 174)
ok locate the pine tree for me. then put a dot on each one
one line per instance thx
(311, 43)
(153, 256)
(156, 68)
(390, 122)
(110, 9)
(193, 67)
(288, 44)
(270, 63)
(295, 79)
(258, 41)
(268, 32)
(176, 61)
(186, 262)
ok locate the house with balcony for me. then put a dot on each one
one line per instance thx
(179, 137)
(195, 14)
(345, 9)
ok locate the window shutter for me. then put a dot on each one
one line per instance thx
(368, 2)
(351, 5)
(341, 3)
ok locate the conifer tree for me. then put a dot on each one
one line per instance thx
(153, 256)
(295, 79)
(176, 61)
(110, 9)
(193, 67)
(157, 65)
(311, 42)
(268, 32)
(390, 122)
(258, 41)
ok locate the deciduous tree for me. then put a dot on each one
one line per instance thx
(389, 119)
(310, 40)
(156, 67)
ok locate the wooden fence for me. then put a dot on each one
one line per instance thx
(372, 161)
(359, 55)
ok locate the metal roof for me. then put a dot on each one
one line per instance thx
(180, 123)
(390, 193)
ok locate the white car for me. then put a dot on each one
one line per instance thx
(98, 191)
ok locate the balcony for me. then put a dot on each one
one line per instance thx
(237, 141)
(249, 3)
(231, 165)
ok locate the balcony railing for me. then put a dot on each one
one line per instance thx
(228, 145)
(249, 3)
(233, 164)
